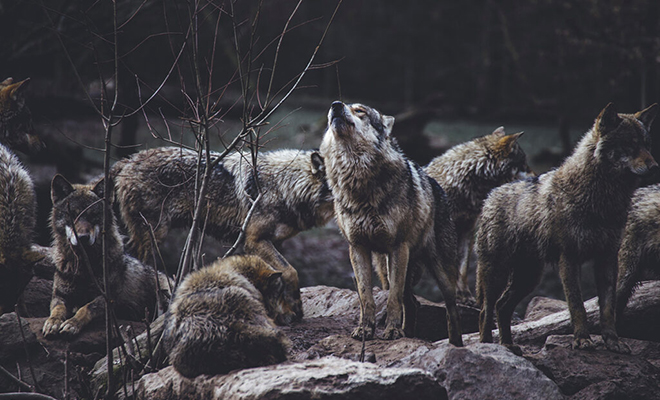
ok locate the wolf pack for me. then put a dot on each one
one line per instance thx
(399, 219)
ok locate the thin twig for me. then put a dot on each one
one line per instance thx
(18, 382)
(27, 353)
(241, 236)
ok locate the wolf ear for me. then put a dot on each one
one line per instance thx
(7, 81)
(499, 131)
(60, 188)
(505, 144)
(17, 90)
(275, 281)
(318, 168)
(99, 189)
(608, 119)
(647, 115)
(388, 122)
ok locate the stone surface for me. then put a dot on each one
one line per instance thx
(11, 341)
(574, 371)
(540, 307)
(326, 378)
(482, 371)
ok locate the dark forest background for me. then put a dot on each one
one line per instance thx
(550, 60)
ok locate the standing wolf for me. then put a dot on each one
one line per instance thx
(219, 318)
(568, 216)
(77, 220)
(158, 186)
(640, 247)
(468, 172)
(386, 204)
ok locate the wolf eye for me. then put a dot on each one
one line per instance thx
(360, 111)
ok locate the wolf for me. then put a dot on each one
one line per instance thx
(640, 248)
(220, 318)
(18, 207)
(564, 217)
(386, 205)
(76, 222)
(155, 192)
(468, 172)
(16, 130)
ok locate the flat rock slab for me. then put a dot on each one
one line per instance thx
(326, 378)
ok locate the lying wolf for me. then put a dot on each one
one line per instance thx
(468, 172)
(565, 217)
(157, 186)
(220, 318)
(386, 204)
(76, 221)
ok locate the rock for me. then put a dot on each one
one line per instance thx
(11, 340)
(482, 371)
(641, 318)
(540, 307)
(326, 378)
(576, 371)
(36, 297)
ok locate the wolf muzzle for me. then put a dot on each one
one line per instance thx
(338, 117)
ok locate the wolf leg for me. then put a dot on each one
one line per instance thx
(446, 279)
(605, 274)
(380, 265)
(569, 271)
(396, 268)
(465, 246)
(361, 261)
(83, 317)
(526, 276)
(629, 260)
(58, 313)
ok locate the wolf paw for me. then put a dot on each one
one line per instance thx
(514, 349)
(366, 332)
(70, 327)
(582, 344)
(393, 333)
(617, 346)
(51, 327)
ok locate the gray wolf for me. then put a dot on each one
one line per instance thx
(640, 247)
(220, 318)
(76, 222)
(564, 217)
(157, 185)
(468, 172)
(17, 220)
(386, 205)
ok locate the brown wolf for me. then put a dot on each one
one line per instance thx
(386, 204)
(15, 117)
(158, 185)
(565, 217)
(17, 219)
(219, 318)
(640, 247)
(76, 221)
(468, 172)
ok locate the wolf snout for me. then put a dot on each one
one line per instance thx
(337, 110)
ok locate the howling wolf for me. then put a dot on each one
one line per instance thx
(565, 217)
(386, 205)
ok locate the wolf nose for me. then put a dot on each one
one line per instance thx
(85, 239)
(337, 106)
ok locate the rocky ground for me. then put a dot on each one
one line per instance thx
(324, 362)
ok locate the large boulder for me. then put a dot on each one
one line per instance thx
(326, 378)
(12, 333)
(601, 374)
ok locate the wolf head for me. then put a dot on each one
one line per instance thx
(15, 119)
(507, 156)
(358, 123)
(77, 212)
(624, 141)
